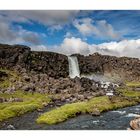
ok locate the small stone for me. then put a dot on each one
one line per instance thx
(67, 100)
(95, 113)
(26, 88)
(81, 97)
(1, 99)
(26, 78)
(84, 126)
(40, 110)
(58, 104)
(45, 104)
(18, 100)
(73, 100)
(63, 99)
(10, 127)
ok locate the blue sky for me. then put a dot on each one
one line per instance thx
(52, 30)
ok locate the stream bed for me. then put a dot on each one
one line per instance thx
(112, 120)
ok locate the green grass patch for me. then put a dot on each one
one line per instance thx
(71, 110)
(129, 93)
(5, 84)
(30, 103)
(63, 113)
(133, 84)
(17, 110)
(11, 74)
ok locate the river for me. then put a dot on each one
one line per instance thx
(112, 120)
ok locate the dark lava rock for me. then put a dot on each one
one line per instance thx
(88, 84)
(124, 68)
(55, 65)
(21, 57)
(2, 99)
(3, 74)
(26, 78)
(13, 55)
(95, 113)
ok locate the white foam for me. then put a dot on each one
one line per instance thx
(137, 109)
(95, 122)
(109, 94)
(120, 112)
(132, 115)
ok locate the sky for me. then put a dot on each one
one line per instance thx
(68, 31)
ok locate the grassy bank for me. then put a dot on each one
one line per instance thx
(97, 104)
(30, 103)
(133, 84)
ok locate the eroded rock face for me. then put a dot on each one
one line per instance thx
(56, 65)
(53, 64)
(122, 68)
(21, 57)
(14, 55)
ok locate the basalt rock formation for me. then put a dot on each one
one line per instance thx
(123, 68)
(56, 65)
(53, 64)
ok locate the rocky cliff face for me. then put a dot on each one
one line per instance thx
(56, 65)
(13, 55)
(122, 68)
(53, 64)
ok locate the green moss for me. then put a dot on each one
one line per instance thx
(133, 84)
(30, 103)
(70, 110)
(129, 92)
(5, 84)
(63, 113)
(17, 110)
(11, 74)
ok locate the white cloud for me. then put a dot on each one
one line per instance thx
(72, 45)
(46, 17)
(9, 35)
(68, 34)
(52, 18)
(101, 28)
(55, 28)
(39, 48)
(85, 26)
(129, 48)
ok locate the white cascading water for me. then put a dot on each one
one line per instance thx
(73, 67)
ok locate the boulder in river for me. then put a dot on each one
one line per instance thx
(135, 124)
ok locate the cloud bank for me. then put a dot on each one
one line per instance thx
(99, 28)
(129, 48)
(46, 17)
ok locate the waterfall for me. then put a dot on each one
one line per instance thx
(73, 67)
